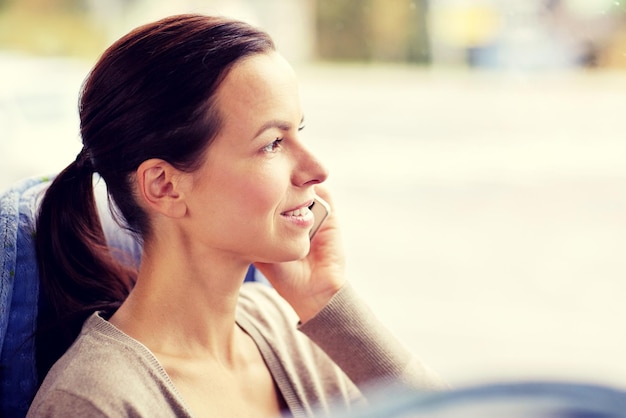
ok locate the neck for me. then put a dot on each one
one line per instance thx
(183, 304)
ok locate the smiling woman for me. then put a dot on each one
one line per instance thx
(193, 123)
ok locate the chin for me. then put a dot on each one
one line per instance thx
(285, 250)
(297, 252)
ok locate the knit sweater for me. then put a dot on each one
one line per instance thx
(323, 364)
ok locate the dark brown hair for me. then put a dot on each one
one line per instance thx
(150, 95)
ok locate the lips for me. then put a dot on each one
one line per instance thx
(301, 210)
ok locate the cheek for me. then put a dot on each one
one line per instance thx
(250, 191)
(260, 194)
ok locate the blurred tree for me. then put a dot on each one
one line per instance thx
(399, 33)
(372, 30)
(342, 29)
(49, 27)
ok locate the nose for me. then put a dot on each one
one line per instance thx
(309, 170)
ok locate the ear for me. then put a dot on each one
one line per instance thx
(162, 187)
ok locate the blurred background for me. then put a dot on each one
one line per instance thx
(476, 148)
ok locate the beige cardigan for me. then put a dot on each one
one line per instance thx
(323, 366)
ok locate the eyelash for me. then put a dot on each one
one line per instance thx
(275, 144)
(272, 146)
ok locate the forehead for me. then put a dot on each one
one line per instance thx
(259, 87)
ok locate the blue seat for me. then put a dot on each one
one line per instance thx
(19, 291)
(19, 286)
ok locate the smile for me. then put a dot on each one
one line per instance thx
(298, 212)
(301, 217)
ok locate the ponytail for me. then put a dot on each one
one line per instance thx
(78, 272)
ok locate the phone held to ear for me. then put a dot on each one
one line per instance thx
(320, 210)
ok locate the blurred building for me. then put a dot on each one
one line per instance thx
(525, 35)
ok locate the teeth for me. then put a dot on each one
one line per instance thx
(297, 212)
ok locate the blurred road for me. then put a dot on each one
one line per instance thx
(484, 215)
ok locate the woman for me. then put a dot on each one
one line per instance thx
(193, 123)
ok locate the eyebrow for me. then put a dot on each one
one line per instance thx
(275, 123)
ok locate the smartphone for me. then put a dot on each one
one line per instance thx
(320, 210)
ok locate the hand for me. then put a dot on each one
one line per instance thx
(308, 284)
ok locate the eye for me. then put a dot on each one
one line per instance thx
(272, 146)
